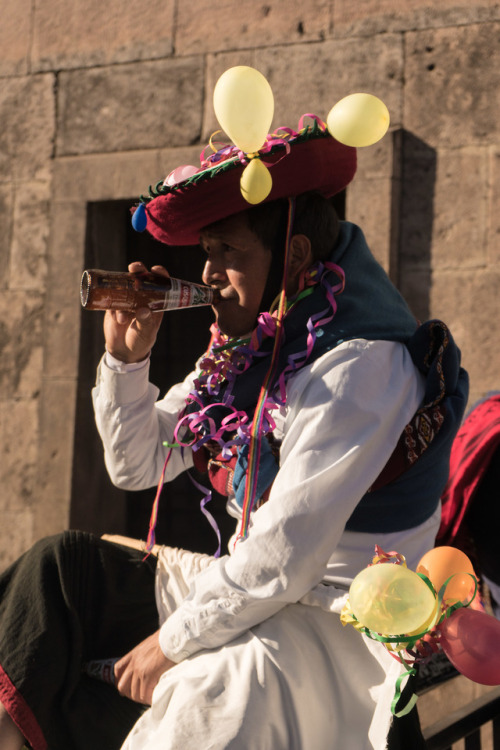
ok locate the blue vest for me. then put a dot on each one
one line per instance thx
(371, 308)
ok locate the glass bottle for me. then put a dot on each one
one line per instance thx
(101, 669)
(121, 290)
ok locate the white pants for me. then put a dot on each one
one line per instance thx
(297, 681)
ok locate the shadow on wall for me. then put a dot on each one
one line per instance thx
(416, 219)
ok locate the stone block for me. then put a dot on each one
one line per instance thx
(493, 242)
(28, 261)
(313, 77)
(367, 17)
(138, 106)
(20, 343)
(369, 206)
(460, 208)
(15, 38)
(451, 76)
(16, 535)
(83, 33)
(6, 208)
(57, 423)
(201, 27)
(27, 114)
(62, 321)
(106, 176)
(469, 303)
(62, 306)
(19, 441)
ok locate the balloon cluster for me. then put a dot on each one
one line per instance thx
(436, 607)
(244, 106)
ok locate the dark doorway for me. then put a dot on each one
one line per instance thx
(97, 505)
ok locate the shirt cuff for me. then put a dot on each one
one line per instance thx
(120, 383)
(118, 366)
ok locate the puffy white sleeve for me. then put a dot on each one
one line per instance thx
(345, 414)
(133, 425)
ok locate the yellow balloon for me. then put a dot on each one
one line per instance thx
(390, 599)
(255, 182)
(358, 120)
(244, 105)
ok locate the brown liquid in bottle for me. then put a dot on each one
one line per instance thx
(120, 290)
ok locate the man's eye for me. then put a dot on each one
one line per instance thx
(228, 248)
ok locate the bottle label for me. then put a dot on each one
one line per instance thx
(101, 669)
(182, 295)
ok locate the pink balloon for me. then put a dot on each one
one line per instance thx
(471, 641)
(179, 174)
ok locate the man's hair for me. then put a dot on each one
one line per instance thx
(315, 217)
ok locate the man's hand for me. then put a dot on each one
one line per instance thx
(131, 337)
(137, 673)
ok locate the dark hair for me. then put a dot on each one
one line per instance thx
(315, 217)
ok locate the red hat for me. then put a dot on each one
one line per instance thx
(311, 160)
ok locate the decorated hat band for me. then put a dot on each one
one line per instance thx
(258, 166)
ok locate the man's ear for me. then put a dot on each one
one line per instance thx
(299, 259)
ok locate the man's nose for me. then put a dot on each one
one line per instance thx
(213, 272)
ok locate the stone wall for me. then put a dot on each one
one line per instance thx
(97, 102)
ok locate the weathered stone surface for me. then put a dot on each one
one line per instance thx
(201, 27)
(57, 415)
(453, 78)
(493, 242)
(445, 198)
(314, 77)
(379, 16)
(105, 176)
(83, 33)
(128, 107)
(19, 431)
(469, 303)
(460, 208)
(27, 114)
(20, 344)
(368, 206)
(30, 235)
(62, 307)
(6, 206)
(17, 535)
(15, 38)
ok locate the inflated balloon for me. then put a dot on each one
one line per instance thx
(442, 562)
(358, 120)
(471, 641)
(255, 182)
(390, 599)
(179, 174)
(244, 105)
(140, 218)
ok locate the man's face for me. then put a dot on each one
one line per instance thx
(238, 265)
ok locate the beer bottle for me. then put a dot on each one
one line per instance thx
(121, 290)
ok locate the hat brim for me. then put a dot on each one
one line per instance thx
(318, 163)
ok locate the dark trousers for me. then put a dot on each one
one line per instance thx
(69, 599)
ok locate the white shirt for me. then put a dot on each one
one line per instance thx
(344, 415)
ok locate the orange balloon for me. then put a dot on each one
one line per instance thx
(442, 562)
